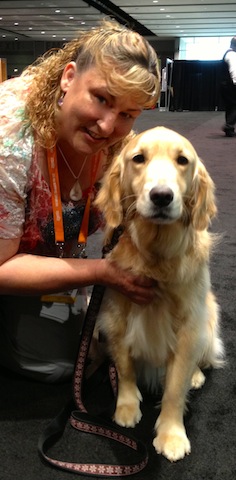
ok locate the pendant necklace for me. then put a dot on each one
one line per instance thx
(76, 191)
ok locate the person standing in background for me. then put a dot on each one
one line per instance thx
(228, 88)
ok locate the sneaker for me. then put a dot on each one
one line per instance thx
(228, 132)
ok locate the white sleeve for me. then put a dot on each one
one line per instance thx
(230, 58)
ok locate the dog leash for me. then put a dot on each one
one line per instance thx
(80, 419)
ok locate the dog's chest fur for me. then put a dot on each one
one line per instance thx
(150, 332)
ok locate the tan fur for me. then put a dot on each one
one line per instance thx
(178, 331)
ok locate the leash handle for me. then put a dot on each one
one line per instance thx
(89, 424)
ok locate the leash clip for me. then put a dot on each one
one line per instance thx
(117, 232)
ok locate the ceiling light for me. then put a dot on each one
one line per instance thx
(43, 33)
(57, 11)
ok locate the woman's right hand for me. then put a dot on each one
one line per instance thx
(139, 289)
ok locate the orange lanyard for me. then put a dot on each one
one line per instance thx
(57, 205)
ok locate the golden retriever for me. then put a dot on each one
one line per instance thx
(160, 192)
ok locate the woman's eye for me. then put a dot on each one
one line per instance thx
(139, 158)
(125, 115)
(181, 160)
(101, 99)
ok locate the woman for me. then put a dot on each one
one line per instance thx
(61, 122)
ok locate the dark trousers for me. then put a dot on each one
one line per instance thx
(228, 92)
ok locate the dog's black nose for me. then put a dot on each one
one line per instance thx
(161, 196)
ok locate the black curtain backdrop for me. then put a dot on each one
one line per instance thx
(195, 85)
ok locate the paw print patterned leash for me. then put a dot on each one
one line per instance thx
(81, 420)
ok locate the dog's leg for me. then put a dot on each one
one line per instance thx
(214, 355)
(171, 439)
(112, 322)
(127, 413)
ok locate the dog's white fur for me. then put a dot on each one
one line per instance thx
(160, 191)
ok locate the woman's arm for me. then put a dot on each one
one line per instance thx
(25, 274)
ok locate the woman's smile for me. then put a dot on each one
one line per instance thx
(94, 135)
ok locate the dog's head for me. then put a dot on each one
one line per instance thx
(159, 177)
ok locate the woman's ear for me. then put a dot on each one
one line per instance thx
(68, 76)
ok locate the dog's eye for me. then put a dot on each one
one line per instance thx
(182, 160)
(139, 158)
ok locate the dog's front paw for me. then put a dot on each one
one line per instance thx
(172, 443)
(128, 412)
(128, 415)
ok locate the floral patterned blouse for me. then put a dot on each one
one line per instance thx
(25, 197)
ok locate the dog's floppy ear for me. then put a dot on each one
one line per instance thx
(202, 202)
(109, 197)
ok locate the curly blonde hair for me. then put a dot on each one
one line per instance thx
(128, 61)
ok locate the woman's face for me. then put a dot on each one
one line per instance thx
(90, 118)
